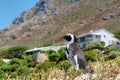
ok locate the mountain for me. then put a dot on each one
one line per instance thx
(48, 20)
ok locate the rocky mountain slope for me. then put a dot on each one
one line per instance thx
(48, 20)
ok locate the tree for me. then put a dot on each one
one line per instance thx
(96, 45)
(117, 34)
(14, 52)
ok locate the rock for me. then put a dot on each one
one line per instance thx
(100, 9)
(41, 57)
(83, 77)
(14, 36)
(43, 7)
(109, 16)
(18, 20)
(88, 76)
(106, 18)
(117, 77)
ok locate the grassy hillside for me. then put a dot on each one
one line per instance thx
(45, 27)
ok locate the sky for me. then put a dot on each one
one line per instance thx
(10, 9)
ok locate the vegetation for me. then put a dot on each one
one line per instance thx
(94, 55)
(77, 18)
(96, 45)
(13, 52)
(113, 54)
(59, 67)
(117, 34)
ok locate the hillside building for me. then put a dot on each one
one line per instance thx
(36, 50)
(96, 36)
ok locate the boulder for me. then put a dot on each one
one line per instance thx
(41, 57)
(109, 16)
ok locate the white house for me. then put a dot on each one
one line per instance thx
(36, 50)
(96, 36)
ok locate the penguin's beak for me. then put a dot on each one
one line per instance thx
(63, 37)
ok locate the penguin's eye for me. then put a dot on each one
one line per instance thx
(67, 37)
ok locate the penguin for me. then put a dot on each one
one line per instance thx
(74, 53)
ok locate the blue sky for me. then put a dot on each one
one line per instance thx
(10, 9)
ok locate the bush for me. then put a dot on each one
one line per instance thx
(45, 65)
(2, 74)
(117, 34)
(13, 67)
(96, 45)
(54, 57)
(31, 60)
(62, 54)
(23, 71)
(50, 52)
(13, 52)
(15, 61)
(2, 62)
(113, 54)
(63, 65)
(18, 71)
(16, 67)
(6, 68)
(94, 55)
(13, 75)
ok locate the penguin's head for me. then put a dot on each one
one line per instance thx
(70, 38)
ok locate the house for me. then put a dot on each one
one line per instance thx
(36, 50)
(96, 36)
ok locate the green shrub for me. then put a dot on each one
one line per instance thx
(113, 54)
(3, 53)
(117, 60)
(106, 50)
(31, 60)
(15, 61)
(20, 71)
(50, 52)
(13, 52)
(13, 75)
(19, 62)
(54, 57)
(16, 67)
(62, 54)
(45, 65)
(117, 34)
(13, 67)
(2, 74)
(23, 71)
(63, 65)
(94, 55)
(96, 45)
(6, 68)
(2, 62)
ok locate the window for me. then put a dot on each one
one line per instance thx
(89, 35)
(84, 45)
(82, 39)
(104, 36)
(97, 36)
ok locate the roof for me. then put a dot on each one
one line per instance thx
(116, 39)
(94, 32)
(55, 48)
